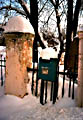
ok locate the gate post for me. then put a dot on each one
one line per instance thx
(80, 68)
(16, 73)
(18, 58)
(19, 35)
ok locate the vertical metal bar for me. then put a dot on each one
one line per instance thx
(57, 81)
(63, 82)
(73, 87)
(46, 91)
(42, 92)
(74, 76)
(65, 61)
(69, 93)
(32, 87)
(54, 88)
(1, 72)
(5, 66)
(36, 91)
(51, 94)
(54, 93)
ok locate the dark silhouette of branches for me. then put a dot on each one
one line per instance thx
(8, 7)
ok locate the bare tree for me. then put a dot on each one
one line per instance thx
(71, 18)
(72, 23)
(20, 6)
(36, 11)
(56, 7)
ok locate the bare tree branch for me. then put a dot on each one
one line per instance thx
(25, 8)
(61, 2)
(43, 7)
(32, 15)
(54, 3)
(8, 7)
(49, 17)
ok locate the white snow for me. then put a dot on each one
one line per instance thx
(29, 108)
(19, 24)
(48, 53)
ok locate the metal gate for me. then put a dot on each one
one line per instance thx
(72, 78)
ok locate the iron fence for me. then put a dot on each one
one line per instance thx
(2, 69)
(72, 80)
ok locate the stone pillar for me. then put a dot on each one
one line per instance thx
(80, 68)
(17, 60)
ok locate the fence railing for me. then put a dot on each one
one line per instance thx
(2, 69)
(68, 78)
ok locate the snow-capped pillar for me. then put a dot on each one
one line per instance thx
(18, 58)
(80, 68)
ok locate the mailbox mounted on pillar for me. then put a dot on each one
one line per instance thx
(48, 63)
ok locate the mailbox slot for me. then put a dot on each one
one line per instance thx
(45, 70)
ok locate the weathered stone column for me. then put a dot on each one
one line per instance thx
(17, 60)
(80, 68)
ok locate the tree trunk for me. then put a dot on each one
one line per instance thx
(56, 5)
(33, 16)
(69, 28)
(59, 30)
(76, 14)
(34, 21)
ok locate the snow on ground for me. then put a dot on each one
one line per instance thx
(29, 108)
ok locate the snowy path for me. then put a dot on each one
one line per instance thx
(29, 108)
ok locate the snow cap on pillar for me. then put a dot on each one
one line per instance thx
(18, 24)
